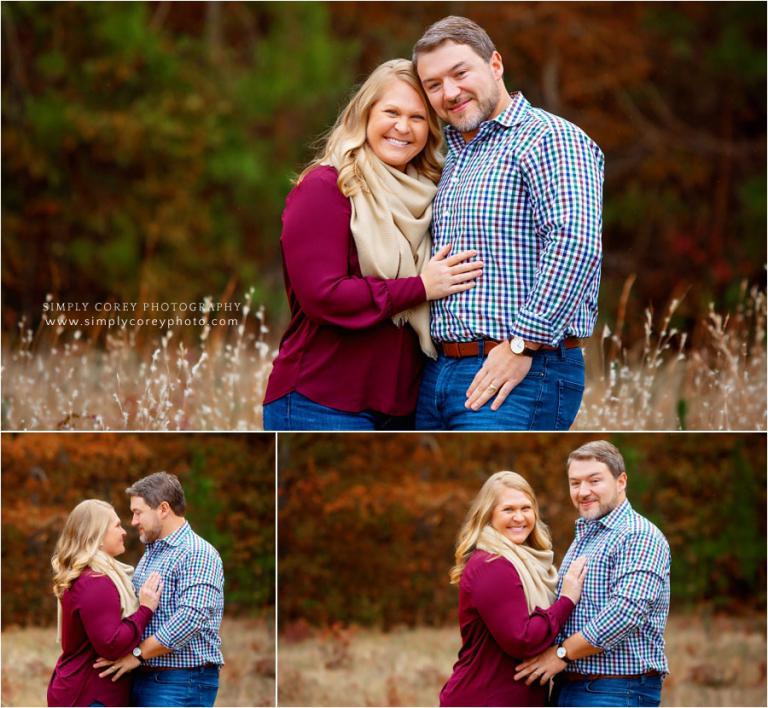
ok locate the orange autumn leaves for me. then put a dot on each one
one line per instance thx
(228, 482)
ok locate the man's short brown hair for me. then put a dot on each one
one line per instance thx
(455, 29)
(160, 487)
(602, 451)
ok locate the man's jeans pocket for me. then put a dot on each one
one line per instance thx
(569, 395)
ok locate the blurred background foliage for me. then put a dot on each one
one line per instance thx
(148, 147)
(228, 483)
(368, 523)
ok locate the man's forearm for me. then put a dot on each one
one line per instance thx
(577, 647)
(151, 648)
(546, 665)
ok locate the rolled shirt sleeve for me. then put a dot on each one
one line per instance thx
(199, 597)
(564, 176)
(637, 585)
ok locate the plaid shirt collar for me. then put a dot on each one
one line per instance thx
(176, 538)
(511, 116)
(612, 521)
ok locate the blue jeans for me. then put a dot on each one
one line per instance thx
(641, 691)
(296, 412)
(548, 398)
(180, 687)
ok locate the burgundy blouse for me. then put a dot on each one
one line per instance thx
(91, 627)
(341, 348)
(497, 634)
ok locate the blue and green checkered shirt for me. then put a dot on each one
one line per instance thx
(527, 194)
(625, 601)
(191, 606)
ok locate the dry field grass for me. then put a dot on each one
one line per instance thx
(662, 383)
(62, 378)
(59, 378)
(715, 661)
(247, 679)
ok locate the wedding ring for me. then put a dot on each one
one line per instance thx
(493, 388)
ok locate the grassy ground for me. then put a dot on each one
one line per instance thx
(247, 679)
(714, 662)
(57, 378)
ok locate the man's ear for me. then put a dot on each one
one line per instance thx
(621, 480)
(164, 509)
(497, 66)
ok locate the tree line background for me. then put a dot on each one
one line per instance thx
(147, 147)
(228, 483)
(368, 523)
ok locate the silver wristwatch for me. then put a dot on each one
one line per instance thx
(137, 653)
(562, 653)
(517, 345)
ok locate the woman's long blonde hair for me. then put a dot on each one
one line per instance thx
(79, 542)
(481, 512)
(347, 136)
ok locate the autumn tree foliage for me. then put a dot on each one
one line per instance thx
(367, 523)
(148, 147)
(228, 482)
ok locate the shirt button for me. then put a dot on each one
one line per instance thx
(454, 180)
(447, 212)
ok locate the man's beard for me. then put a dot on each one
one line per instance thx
(150, 535)
(603, 509)
(485, 108)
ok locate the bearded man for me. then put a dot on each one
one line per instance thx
(523, 188)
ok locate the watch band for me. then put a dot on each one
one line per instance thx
(517, 345)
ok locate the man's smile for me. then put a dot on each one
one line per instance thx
(459, 107)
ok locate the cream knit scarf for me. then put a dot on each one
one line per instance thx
(537, 573)
(120, 574)
(390, 224)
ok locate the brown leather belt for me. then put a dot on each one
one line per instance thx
(571, 676)
(459, 350)
(146, 669)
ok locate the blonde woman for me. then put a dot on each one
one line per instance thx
(99, 614)
(507, 606)
(357, 267)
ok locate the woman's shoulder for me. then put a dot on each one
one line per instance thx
(482, 564)
(318, 189)
(89, 583)
(322, 178)
(326, 173)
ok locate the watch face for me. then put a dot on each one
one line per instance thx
(561, 652)
(517, 344)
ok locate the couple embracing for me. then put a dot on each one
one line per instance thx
(440, 294)
(143, 638)
(595, 631)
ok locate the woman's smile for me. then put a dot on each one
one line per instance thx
(398, 142)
